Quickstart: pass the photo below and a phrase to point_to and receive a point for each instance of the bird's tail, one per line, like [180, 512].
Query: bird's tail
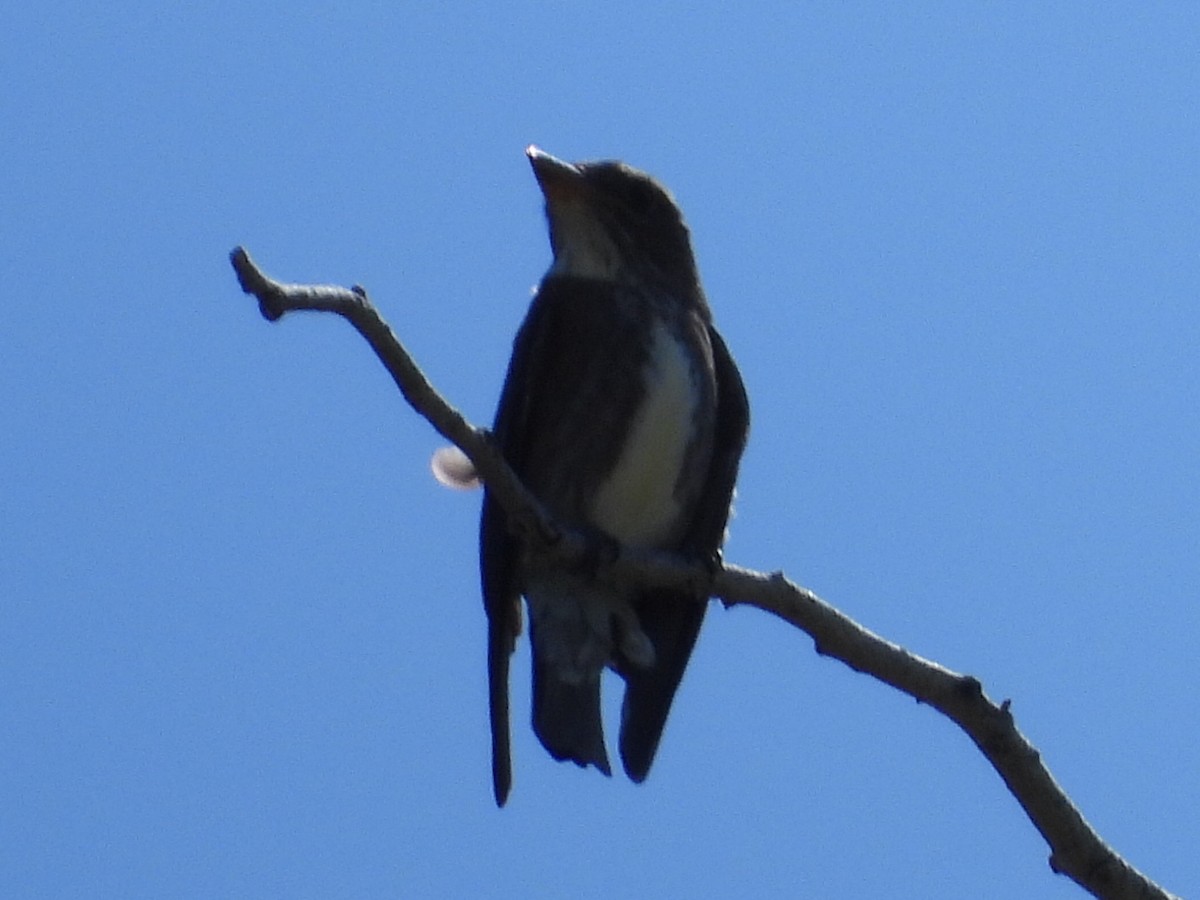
[570, 639]
[566, 717]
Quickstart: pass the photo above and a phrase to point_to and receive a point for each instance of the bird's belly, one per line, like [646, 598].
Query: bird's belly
[637, 503]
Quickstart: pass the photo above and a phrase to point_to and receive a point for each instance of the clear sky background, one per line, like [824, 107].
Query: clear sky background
[956, 251]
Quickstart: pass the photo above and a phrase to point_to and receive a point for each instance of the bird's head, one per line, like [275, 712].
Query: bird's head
[613, 222]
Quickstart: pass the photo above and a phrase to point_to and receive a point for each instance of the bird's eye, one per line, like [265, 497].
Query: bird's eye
[640, 197]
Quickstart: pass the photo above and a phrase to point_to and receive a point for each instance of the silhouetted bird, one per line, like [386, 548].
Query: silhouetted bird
[624, 413]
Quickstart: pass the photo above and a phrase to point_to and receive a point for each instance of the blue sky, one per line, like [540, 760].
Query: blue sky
[954, 249]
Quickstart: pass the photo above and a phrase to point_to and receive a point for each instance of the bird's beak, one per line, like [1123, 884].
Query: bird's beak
[559, 180]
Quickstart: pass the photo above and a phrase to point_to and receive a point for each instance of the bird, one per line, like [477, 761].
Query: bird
[624, 413]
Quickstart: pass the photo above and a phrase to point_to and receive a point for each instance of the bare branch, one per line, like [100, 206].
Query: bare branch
[1077, 851]
[275, 299]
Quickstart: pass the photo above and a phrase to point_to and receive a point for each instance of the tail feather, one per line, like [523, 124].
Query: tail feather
[566, 718]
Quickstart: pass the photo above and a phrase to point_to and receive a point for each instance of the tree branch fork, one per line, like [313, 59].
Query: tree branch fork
[1077, 851]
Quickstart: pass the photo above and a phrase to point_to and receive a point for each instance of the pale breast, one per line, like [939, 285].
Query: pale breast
[637, 502]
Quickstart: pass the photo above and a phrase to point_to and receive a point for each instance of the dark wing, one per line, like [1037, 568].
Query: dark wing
[733, 427]
[498, 550]
[670, 619]
[502, 603]
[570, 358]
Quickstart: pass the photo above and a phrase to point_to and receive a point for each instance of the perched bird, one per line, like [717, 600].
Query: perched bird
[625, 415]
